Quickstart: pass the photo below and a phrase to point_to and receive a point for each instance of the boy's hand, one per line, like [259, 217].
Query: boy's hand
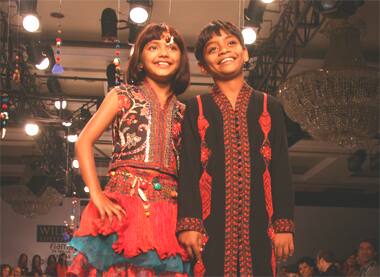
[283, 245]
[192, 242]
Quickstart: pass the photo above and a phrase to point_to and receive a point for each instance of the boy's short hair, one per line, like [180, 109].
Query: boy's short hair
[214, 27]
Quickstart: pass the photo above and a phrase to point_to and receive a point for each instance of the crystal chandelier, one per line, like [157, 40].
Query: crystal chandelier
[26, 203]
[339, 102]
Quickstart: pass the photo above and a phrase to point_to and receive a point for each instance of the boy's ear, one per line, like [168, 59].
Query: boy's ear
[203, 69]
[245, 55]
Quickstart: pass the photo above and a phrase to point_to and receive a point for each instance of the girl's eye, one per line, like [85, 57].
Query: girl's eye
[152, 48]
[173, 48]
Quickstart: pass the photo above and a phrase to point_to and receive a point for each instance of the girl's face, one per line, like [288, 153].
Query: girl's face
[37, 260]
[161, 60]
[23, 259]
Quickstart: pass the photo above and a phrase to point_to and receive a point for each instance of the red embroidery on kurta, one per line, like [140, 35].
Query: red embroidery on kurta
[238, 182]
[206, 179]
[266, 152]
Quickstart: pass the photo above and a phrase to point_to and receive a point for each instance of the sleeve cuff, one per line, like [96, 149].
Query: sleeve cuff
[283, 225]
[190, 224]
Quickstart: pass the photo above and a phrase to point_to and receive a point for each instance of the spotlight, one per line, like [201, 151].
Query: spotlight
[75, 163]
[253, 14]
[31, 129]
[60, 104]
[86, 189]
[337, 8]
[28, 9]
[31, 23]
[41, 56]
[109, 25]
[267, 1]
[139, 10]
[134, 31]
[138, 15]
[249, 35]
[44, 64]
[67, 123]
[72, 138]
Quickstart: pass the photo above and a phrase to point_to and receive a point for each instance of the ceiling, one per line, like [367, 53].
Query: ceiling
[319, 168]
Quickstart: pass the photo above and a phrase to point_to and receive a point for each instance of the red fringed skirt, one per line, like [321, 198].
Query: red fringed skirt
[144, 242]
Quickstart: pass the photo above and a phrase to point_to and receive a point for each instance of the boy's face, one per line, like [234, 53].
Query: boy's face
[224, 56]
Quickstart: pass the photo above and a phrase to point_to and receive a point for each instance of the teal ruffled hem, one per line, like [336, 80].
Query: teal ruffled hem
[99, 253]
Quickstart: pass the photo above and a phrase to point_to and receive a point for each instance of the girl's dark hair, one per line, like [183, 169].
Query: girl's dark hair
[21, 257]
[214, 27]
[61, 260]
[151, 32]
[36, 268]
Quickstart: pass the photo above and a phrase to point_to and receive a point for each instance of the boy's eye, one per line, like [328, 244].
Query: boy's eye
[211, 50]
[232, 42]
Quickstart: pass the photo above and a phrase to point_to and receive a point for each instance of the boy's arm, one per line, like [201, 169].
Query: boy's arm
[190, 224]
[282, 187]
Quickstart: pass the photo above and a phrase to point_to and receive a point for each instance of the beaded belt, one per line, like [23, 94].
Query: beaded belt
[149, 188]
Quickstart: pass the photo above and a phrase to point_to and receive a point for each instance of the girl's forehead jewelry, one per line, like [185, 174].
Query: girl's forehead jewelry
[166, 35]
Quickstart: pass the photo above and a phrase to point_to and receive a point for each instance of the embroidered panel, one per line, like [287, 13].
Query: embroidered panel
[238, 182]
[144, 134]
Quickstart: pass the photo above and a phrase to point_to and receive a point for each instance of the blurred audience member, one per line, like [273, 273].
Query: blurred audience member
[51, 267]
[350, 266]
[5, 270]
[62, 265]
[17, 272]
[292, 270]
[326, 263]
[36, 266]
[367, 258]
[306, 267]
[23, 264]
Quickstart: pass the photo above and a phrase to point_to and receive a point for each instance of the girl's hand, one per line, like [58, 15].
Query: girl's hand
[106, 207]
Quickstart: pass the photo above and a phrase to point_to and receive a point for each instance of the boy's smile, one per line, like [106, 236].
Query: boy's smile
[224, 56]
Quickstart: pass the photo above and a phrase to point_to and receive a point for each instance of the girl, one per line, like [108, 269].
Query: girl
[61, 267]
[51, 266]
[129, 228]
[23, 263]
[36, 266]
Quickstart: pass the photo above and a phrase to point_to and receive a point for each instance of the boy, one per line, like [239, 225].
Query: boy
[235, 187]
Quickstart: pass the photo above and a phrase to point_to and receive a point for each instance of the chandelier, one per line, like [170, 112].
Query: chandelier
[339, 102]
[26, 203]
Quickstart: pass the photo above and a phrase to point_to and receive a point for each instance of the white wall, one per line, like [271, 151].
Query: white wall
[18, 234]
[316, 227]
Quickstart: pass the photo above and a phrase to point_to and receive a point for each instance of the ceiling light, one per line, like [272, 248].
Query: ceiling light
[31, 23]
[75, 163]
[138, 15]
[249, 35]
[72, 138]
[60, 104]
[44, 64]
[31, 129]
